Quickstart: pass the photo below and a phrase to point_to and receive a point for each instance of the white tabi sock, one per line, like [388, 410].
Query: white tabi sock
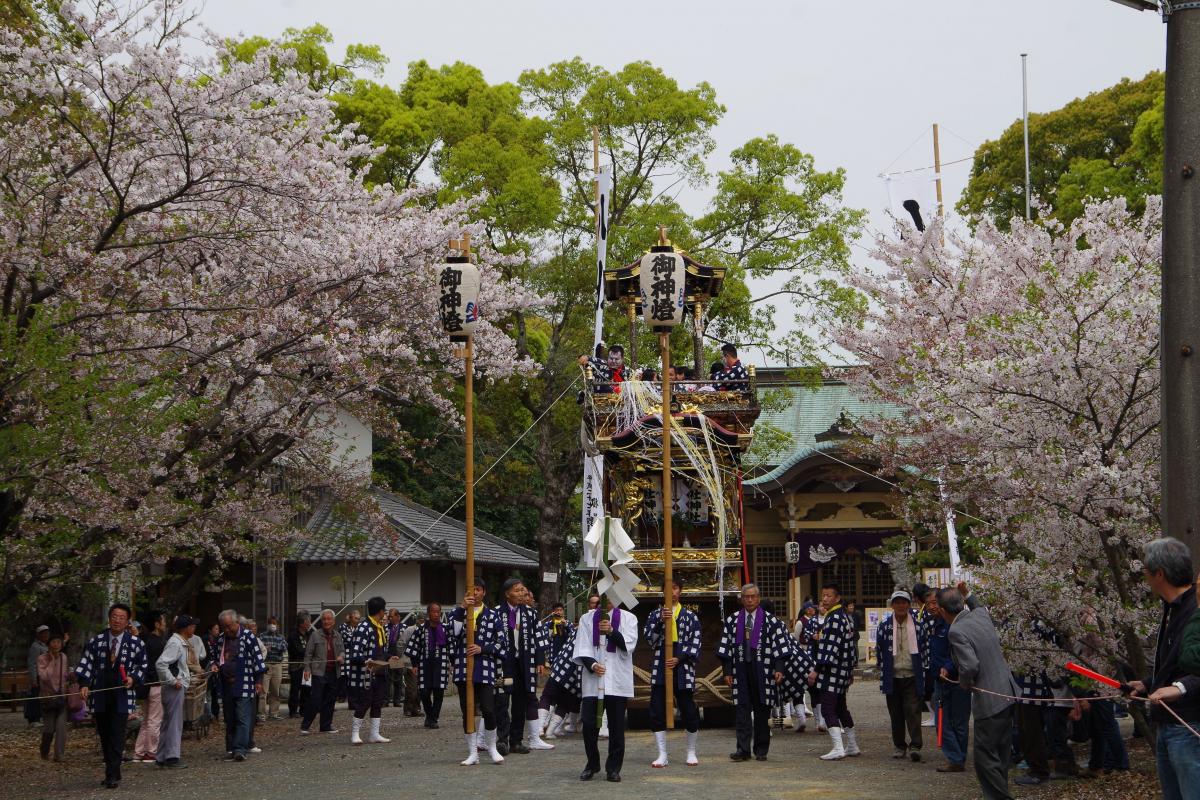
[375, 737]
[472, 751]
[531, 732]
[660, 738]
[693, 738]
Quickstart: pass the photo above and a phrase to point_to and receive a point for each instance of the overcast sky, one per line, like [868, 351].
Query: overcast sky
[854, 82]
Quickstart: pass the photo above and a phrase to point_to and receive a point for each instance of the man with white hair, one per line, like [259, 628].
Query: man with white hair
[1167, 566]
[239, 665]
[754, 650]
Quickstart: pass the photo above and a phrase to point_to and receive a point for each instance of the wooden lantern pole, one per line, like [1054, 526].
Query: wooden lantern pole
[463, 246]
[664, 344]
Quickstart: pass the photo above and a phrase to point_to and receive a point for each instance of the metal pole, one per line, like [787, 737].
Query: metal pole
[1025, 119]
[664, 344]
[1181, 281]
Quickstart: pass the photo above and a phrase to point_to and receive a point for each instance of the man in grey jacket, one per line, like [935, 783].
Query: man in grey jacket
[975, 650]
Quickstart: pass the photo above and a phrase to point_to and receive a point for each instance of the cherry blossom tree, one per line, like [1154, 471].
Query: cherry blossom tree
[195, 280]
[1026, 365]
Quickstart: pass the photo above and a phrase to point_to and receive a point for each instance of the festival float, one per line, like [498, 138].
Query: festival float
[694, 530]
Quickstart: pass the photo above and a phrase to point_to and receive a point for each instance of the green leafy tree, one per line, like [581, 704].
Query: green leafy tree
[1108, 144]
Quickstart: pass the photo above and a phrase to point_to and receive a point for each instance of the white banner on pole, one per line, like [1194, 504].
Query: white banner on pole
[951, 532]
[913, 198]
[593, 491]
[604, 179]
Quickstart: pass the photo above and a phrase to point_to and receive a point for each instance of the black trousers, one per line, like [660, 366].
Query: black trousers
[558, 698]
[904, 707]
[320, 701]
[431, 702]
[993, 746]
[297, 691]
[834, 710]
[396, 680]
[516, 705]
[1031, 725]
[373, 698]
[485, 704]
[614, 707]
[754, 735]
[110, 727]
[685, 700]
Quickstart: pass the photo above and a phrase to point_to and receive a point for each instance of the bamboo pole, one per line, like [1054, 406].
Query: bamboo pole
[664, 343]
[468, 351]
[937, 167]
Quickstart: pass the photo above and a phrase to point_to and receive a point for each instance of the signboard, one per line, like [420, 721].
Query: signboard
[549, 577]
[875, 617]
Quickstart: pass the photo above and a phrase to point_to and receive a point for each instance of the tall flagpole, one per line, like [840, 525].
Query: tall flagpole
[601, 237]
[1025, 122]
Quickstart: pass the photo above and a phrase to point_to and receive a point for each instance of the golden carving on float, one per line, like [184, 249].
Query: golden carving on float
[686, 554]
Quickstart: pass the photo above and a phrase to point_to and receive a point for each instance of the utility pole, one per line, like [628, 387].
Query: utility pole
[1179, 345]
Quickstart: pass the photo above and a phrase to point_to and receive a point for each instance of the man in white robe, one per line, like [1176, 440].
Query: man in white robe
[604, 645]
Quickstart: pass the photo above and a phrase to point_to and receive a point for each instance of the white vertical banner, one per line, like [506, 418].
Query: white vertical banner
[913, 198]
[604, 180]
[951, 533]
[593, 491]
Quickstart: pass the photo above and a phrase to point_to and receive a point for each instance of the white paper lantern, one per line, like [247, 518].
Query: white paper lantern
[662, 280]
[458, 302]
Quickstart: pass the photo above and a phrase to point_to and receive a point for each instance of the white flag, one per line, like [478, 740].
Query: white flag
[593, 490]
[604, 179]
[913, 198]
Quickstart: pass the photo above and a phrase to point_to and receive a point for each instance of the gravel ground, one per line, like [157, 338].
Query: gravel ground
[424, 763]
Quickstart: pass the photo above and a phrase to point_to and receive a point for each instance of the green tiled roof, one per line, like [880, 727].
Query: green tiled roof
[810, 412]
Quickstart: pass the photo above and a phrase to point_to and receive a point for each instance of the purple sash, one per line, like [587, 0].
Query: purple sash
[616, 623]
[437, 638]
[754, 631]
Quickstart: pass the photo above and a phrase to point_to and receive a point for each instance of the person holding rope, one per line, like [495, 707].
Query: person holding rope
[1174, 694]
[52, 684]
[323, 662]
[368, 673]
[174, 676]
[238, 664]
[975, 650]
[113, 664]
[684, 627]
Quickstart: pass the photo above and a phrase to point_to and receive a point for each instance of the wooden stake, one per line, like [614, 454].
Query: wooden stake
[664, 343]
[937, 167]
